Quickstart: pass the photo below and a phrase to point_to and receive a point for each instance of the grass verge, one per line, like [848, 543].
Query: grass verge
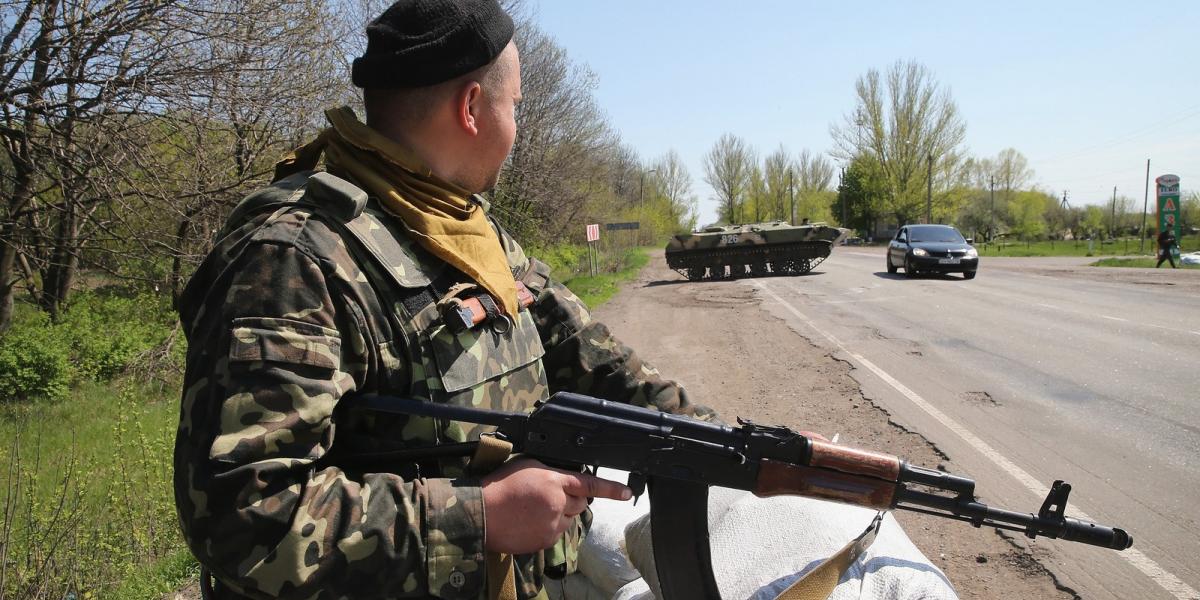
[157, 579]
[1114, 247]
[88, 507]
[594, 291]
[1137, 262]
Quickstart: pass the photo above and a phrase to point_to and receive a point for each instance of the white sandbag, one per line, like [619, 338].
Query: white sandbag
[574, 587]
[1191, 258]
[602, 557]
[761, 545]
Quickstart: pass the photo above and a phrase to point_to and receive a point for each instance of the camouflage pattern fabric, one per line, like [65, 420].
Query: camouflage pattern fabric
[287, 322]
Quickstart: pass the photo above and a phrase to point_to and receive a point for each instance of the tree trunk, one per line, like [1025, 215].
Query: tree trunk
[8, 279]
[181, 236]
[64, 262]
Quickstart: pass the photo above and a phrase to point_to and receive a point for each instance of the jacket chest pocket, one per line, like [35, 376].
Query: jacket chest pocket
[481, 368]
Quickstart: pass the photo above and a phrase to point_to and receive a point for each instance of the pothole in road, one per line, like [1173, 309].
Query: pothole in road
[983, 398]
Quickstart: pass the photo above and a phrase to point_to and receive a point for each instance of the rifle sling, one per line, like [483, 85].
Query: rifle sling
[679, 534]
[819, 583]
[683, 559]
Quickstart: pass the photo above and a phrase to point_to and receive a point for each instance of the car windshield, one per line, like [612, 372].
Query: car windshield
[935, 234]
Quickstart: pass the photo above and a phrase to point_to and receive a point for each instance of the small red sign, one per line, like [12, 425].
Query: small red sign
[593, 233]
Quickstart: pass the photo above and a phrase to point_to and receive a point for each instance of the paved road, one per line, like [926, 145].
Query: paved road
[1036, 370]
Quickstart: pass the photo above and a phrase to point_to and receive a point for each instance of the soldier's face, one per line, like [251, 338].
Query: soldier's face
[500, 129]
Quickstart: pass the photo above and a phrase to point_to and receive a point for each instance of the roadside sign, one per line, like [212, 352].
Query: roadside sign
[619, 226]
[593, 233]
[1167, 196]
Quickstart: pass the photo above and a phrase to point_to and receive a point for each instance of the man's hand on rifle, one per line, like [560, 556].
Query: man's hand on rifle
[528, 505]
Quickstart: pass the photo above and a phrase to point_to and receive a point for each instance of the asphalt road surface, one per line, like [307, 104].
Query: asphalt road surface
[1039, 369]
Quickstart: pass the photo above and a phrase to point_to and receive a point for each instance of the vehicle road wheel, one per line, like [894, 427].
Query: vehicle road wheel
[908, 269]
[891, 268]
[969, 275]
[695, 273]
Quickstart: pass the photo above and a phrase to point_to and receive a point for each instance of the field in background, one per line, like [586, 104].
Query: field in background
[1114, 247]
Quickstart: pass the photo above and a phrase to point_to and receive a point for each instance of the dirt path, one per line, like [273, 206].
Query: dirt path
[743, 362]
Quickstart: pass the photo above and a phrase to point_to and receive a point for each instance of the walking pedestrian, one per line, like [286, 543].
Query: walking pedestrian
[1166, 240]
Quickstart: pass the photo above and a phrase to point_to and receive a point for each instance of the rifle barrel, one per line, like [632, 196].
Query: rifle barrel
[1032, 525]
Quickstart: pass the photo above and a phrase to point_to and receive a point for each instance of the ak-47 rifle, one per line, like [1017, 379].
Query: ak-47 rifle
[680, 457]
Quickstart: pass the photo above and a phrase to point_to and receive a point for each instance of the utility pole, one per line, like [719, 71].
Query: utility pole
[641, 188]
[792, 193]
[992, 212]
[843, 194]
[929, 195]
[1112, 219]
[1145, 202]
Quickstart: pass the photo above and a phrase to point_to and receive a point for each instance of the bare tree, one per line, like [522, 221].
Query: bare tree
[119, 115]
[779, 176]
[904, 123]
[1011, 171]
[727, 168]
[674, 184]
[229, 129]
[814, 172]
[558, 161]
[71, 73]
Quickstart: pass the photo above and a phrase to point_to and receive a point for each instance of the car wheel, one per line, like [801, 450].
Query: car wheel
[908, 268]
[890, 267]
[969, 275]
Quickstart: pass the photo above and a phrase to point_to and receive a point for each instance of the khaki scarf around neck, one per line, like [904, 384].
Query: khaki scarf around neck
[440, 214]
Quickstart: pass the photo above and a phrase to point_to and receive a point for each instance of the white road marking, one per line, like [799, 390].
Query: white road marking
[1052, 307]
[1169, 582]
[883, 299]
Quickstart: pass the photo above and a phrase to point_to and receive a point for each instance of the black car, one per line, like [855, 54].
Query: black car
[931, 249]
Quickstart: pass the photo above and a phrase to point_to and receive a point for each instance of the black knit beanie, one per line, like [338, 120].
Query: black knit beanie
[416, 43]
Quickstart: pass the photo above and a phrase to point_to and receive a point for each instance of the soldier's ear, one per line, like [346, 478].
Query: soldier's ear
[468, 106]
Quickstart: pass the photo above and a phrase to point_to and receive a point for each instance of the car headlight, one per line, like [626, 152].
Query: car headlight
[920, 252]
[972, 253]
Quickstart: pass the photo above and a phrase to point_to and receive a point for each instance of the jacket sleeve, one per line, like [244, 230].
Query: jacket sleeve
[274, 351]
[583, 356]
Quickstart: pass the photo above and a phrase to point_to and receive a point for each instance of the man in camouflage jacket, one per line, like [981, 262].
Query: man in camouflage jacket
[314, 296]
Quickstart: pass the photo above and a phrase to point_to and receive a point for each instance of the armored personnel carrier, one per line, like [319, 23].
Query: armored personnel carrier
[752, 250]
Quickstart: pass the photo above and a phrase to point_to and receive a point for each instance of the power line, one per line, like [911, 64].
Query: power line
[1178, 118]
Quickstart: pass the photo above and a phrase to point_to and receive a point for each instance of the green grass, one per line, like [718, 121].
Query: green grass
[157, 579]
[88, 495]
[597, 290]
[1138, 262]
[1117, 247]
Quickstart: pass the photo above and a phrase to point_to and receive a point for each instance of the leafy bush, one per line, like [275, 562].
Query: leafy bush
[108, 331]
[34, 361]
[565, 260]
[99, 335]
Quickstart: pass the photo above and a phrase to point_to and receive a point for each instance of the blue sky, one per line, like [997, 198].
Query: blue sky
[1087, 91]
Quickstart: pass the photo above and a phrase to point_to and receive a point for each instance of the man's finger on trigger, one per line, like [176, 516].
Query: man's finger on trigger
[590, 486]
[575, 505]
